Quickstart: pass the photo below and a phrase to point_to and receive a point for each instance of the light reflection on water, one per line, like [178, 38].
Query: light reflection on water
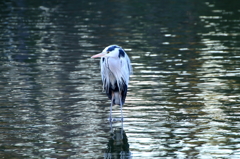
[183, 96]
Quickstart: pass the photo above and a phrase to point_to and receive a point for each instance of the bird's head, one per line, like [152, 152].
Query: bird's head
[111, 51]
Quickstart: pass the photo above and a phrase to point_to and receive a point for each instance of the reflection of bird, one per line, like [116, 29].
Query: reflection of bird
[115, 69]
[118, 146]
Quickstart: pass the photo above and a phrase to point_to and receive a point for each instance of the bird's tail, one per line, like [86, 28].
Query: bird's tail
[117, 98]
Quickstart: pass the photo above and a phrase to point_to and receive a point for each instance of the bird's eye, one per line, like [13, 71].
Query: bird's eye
[108, 51]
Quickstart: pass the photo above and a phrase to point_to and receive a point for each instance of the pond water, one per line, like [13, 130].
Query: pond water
[183, 97]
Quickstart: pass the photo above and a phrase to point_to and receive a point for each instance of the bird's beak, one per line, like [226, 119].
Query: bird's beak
[98, 55]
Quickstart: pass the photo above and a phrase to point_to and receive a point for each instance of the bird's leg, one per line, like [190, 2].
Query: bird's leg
[120, 99]
[121, 110]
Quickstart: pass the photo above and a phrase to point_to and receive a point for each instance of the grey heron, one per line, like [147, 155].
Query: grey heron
[115, 70]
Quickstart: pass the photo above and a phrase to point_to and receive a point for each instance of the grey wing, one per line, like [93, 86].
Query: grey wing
[126, 68]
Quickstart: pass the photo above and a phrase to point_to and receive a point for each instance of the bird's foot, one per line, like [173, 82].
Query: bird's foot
[115, 119]
[110, 119]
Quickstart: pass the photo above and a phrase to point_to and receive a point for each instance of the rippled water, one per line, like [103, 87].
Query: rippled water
[183, 99]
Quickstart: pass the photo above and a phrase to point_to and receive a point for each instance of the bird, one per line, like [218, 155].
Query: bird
[115, 71]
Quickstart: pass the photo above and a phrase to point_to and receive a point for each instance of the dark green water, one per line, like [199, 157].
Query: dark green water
[184, 95]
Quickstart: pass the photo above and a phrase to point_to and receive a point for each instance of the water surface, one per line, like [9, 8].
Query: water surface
[183, 99]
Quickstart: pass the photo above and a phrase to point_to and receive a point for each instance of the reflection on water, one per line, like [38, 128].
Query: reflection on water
[183, 98]
[118, 146]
